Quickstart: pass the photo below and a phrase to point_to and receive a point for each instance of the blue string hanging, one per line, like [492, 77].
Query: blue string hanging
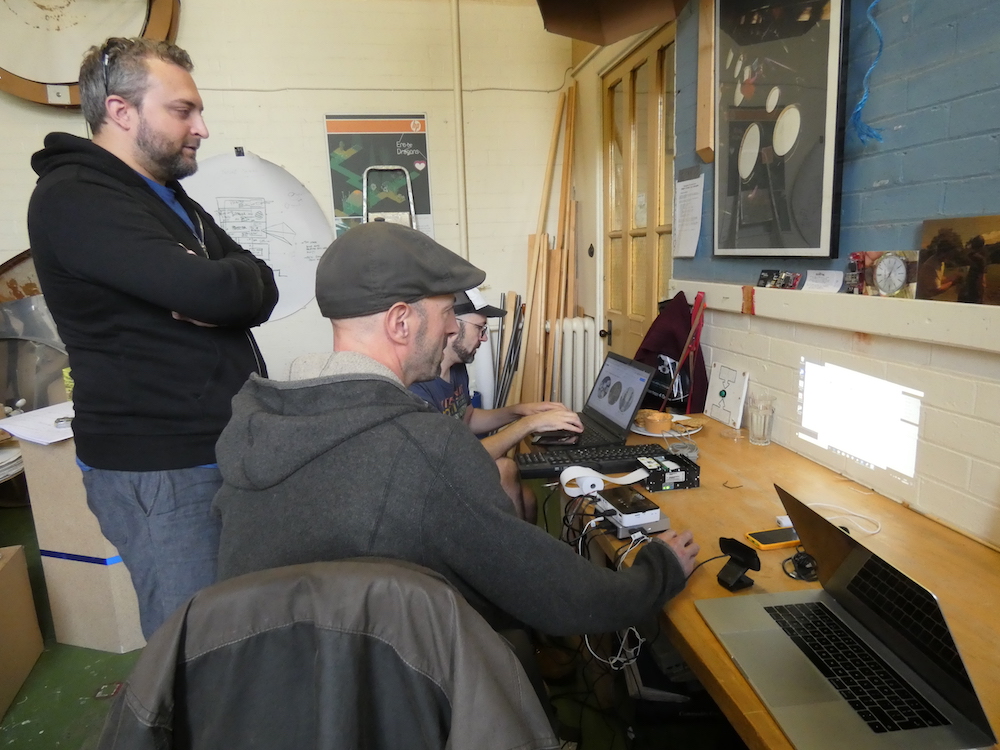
[864, 130]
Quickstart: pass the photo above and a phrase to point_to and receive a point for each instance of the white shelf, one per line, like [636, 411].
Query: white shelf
[948, 323]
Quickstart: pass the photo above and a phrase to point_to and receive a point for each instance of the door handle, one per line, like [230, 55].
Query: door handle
[607, 333]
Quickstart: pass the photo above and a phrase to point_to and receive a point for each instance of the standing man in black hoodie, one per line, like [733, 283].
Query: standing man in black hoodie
[154, 303]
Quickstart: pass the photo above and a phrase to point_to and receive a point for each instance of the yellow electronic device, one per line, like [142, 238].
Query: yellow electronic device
[774, 538]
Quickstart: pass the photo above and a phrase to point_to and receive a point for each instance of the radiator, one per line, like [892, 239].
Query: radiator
[577, 362]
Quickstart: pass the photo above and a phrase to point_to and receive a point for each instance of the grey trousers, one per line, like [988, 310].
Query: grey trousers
[162, 524]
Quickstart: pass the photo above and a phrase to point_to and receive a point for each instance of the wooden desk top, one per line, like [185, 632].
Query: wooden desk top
[736, 496]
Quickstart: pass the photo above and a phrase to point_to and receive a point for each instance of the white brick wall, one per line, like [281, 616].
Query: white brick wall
[958, 455]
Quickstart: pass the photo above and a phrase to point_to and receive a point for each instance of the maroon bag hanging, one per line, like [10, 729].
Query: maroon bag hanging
[669, 336]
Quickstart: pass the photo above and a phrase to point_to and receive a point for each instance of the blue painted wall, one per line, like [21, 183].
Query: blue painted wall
[935, 95]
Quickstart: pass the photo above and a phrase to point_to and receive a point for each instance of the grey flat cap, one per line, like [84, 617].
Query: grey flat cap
[373, 266]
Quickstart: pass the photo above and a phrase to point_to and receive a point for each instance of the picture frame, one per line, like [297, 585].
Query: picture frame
[959, 260]
[779, 124]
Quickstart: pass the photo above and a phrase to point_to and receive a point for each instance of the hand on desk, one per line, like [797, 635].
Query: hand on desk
[684, 546]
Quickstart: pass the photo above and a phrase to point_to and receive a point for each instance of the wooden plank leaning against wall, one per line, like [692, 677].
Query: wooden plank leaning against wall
[551, 267]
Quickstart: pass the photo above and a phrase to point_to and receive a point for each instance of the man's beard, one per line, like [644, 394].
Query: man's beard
[163, 160]
[465, 355]
[428, 364]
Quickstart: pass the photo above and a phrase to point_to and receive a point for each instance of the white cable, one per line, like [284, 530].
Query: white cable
[626, 654]
[637, 539]
[849, 517]
[686, 447]
[591, 524]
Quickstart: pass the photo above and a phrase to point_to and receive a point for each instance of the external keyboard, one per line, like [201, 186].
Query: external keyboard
[605, 459]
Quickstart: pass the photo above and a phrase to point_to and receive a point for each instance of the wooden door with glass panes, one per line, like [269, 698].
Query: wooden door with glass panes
[638, 189]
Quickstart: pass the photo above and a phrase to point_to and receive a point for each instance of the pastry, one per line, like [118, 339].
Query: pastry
[640, 417]
[689, 425]
[659, 422]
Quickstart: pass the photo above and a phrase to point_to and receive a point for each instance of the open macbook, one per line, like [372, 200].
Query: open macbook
[866, 662]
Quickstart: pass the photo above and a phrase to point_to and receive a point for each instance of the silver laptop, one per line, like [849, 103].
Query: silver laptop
[868, 662]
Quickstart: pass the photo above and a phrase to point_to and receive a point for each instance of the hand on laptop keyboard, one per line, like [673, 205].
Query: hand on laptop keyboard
[554, 417]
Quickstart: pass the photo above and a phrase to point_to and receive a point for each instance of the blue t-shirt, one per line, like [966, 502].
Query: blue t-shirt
[170, 198]
[450, 397]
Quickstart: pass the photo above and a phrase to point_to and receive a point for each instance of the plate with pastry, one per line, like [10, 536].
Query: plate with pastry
[653, 423]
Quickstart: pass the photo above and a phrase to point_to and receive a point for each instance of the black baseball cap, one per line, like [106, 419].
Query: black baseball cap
[472, 301]
[372, 266]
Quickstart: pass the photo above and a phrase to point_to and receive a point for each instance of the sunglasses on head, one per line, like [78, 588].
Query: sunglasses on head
[109, 53]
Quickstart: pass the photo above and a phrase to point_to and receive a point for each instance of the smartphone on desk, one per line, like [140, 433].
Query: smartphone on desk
[556, 437]
[774, 538]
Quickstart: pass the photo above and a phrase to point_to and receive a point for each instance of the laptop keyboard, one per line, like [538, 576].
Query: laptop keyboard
[594, 434]
[873, 689]
[604, 459]
[590, 439]
[913, 612]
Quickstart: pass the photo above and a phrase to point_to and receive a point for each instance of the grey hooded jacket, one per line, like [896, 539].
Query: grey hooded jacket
[350, 464]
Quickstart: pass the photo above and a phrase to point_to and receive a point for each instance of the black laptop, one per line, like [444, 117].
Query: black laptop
[866, 663]
[614, 400]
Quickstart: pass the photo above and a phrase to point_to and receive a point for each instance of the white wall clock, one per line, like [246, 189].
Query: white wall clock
[892, 274]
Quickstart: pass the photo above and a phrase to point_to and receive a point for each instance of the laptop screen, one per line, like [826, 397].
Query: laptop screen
[619, 390]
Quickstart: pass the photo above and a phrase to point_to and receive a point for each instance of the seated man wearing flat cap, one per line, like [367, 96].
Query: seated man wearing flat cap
[349, 463]
[449, 394]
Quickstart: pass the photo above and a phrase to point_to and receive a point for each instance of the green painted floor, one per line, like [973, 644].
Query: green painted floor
[63, 702]
[65, 699]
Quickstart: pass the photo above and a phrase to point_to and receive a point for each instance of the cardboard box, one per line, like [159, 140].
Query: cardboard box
[90, 591]
[20, 638]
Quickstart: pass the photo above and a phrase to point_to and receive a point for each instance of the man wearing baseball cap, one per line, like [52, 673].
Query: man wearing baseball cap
[349, 463]
[449, 394]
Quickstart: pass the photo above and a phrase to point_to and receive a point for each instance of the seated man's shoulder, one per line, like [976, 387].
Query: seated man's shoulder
[428, 420]
[432, 428]
[350, 365]
[308, 366]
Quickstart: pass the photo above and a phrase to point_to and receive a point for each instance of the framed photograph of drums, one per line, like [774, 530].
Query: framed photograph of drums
[779, 125]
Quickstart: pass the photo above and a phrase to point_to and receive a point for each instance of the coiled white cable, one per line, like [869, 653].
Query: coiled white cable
[850, 516]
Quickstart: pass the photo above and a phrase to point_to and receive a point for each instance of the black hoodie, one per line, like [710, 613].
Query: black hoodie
[114, 262]
[354, 465]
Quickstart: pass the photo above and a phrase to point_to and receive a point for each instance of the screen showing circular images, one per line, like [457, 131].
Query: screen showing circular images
[603, 386]
[626, 400]
[615, 392]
